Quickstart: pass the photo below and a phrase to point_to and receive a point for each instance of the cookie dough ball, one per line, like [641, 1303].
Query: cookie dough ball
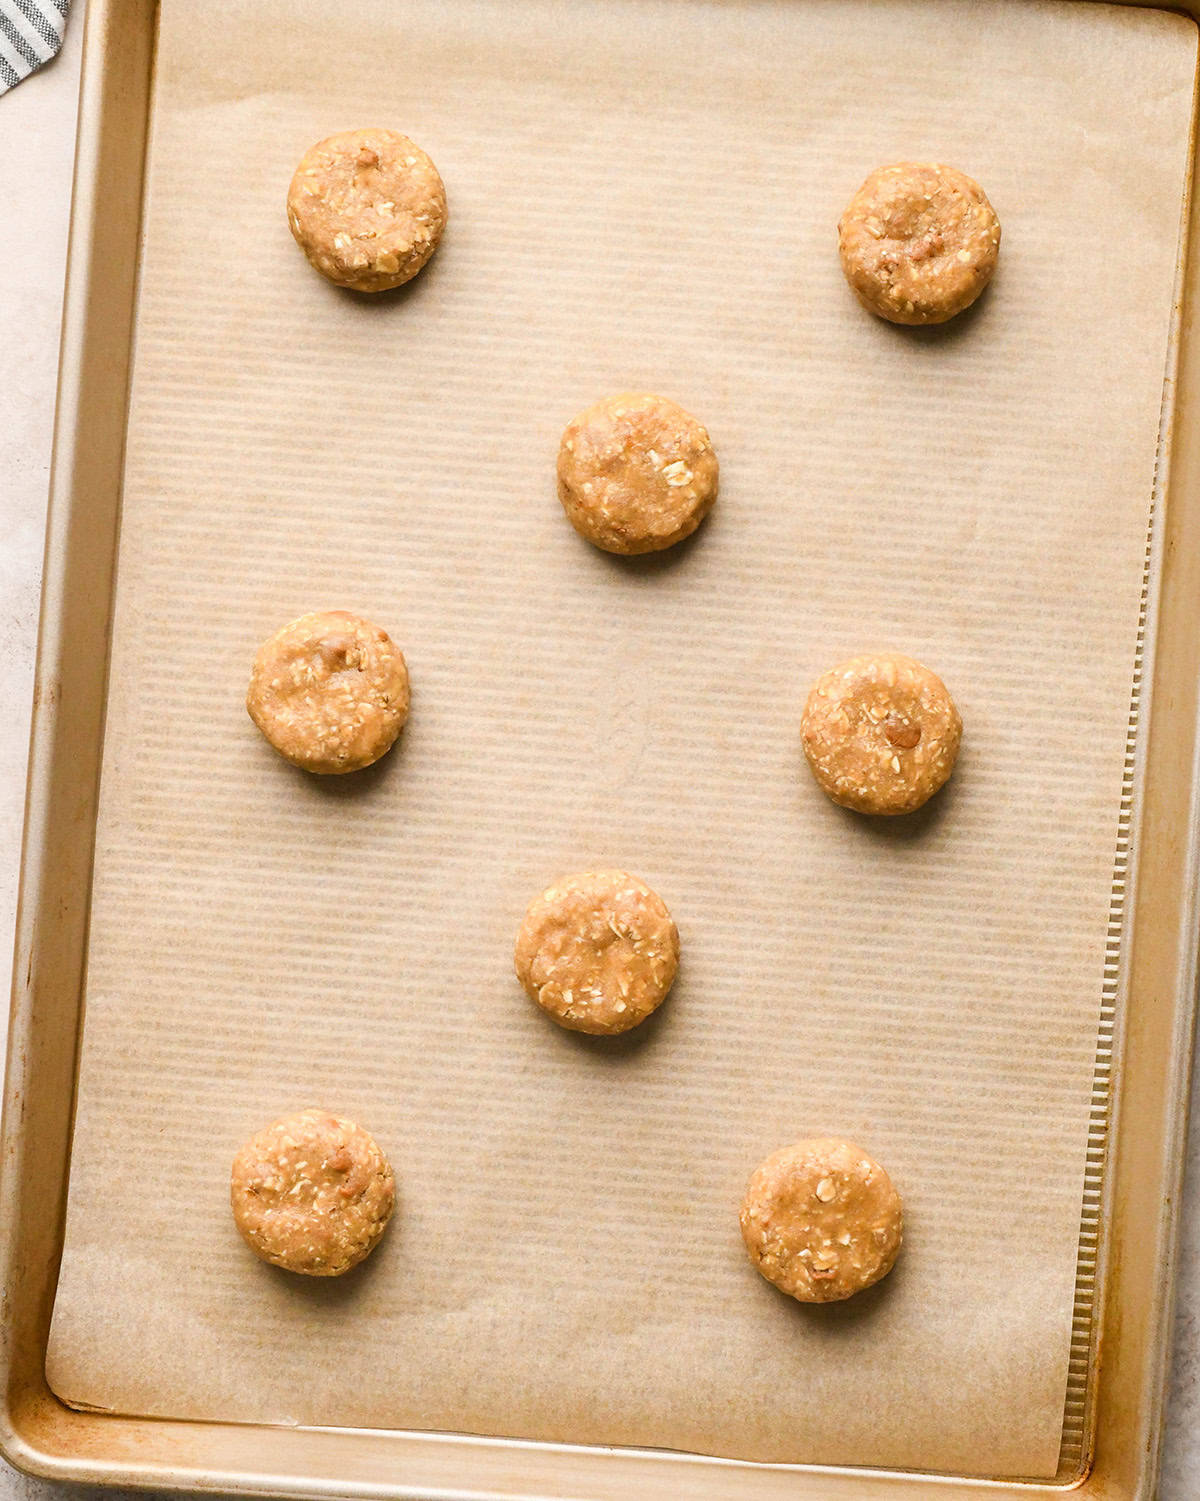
[881, 733]
[312, 1193]
[598, 951]
[636, 474]
[919, 242]
[821, 1220]
[367, 208]
[329, 691]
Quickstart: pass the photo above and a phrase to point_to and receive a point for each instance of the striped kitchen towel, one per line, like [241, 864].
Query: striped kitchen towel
[31, 32]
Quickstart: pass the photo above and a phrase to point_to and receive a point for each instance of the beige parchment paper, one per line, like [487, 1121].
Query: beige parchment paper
[643, 195]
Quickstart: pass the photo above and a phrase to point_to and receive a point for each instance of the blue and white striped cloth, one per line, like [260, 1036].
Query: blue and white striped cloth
[31, 32]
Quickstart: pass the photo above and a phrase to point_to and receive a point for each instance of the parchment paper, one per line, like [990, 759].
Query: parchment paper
[643, 195]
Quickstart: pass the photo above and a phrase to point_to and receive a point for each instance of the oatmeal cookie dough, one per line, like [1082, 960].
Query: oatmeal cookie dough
[312, 1193]
[329, 691]
[881, 733]
[636, 473]
[821, 1220]
[598, 951]
[368, 208]
[919, 242]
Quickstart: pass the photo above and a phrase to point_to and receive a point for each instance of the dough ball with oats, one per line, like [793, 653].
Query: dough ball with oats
[329, 691]
[368, 208]
[598, 951]
[881, 733]
[636, 474]
[919, 242]
[312, 1193]
[821, 1220]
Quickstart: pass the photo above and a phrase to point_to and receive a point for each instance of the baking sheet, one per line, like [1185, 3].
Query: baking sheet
[642, 195]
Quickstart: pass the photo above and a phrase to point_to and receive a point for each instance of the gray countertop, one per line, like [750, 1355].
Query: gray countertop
[37, 130]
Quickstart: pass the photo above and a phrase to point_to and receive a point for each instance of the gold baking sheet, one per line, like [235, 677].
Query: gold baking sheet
[642, 195]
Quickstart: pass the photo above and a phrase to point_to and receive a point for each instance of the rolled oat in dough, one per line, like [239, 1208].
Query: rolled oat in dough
[881, 733]
[312, 1193]
[636, 473]
[919, 242]
[821, 1220]
[368, 208]
[329, 691]
[598, 951]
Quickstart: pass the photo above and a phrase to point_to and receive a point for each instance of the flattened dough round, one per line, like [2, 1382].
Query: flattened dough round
[636, 473]
[367, 207]
[312, 1193]
[598, 951]
[881, 733]
[821, 1220]
[919, 242]
[329, 691]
